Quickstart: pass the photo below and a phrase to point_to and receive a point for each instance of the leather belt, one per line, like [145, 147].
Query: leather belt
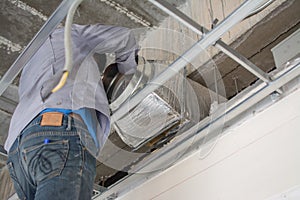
[76, 116]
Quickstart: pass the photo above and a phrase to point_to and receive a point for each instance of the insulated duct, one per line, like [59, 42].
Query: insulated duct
[163, 112]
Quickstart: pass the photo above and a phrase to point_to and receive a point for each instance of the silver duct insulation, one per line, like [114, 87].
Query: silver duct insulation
[150, 118]
[162, 111]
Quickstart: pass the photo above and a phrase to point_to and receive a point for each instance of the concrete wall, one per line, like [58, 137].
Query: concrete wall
[256, 159]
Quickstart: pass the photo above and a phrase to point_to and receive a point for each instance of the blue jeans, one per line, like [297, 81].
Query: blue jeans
[47, 162]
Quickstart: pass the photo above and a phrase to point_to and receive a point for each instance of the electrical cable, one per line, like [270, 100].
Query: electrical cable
[68, 46]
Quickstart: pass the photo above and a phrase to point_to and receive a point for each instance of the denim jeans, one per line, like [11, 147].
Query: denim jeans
[47, 162]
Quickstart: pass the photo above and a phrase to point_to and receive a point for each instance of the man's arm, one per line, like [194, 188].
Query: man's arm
[112, 39]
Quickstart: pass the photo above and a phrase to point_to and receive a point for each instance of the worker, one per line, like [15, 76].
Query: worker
[54, 138]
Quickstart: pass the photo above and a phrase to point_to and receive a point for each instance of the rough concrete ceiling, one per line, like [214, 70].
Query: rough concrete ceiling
[21, 20]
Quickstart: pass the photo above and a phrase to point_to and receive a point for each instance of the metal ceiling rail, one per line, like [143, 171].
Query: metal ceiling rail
[50, 25]
[191, 24]
[208, 39]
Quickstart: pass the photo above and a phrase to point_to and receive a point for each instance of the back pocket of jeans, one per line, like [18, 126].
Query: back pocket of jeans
[46, 161]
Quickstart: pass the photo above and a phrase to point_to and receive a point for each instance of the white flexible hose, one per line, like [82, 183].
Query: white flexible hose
[68, 46]
[67, 36]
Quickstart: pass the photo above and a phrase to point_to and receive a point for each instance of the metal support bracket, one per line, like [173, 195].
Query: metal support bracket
[191, 24]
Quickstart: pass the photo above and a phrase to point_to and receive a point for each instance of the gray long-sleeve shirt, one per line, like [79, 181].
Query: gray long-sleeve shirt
[83, 88]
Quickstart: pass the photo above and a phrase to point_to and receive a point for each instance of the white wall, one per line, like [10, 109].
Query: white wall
[258, 159]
